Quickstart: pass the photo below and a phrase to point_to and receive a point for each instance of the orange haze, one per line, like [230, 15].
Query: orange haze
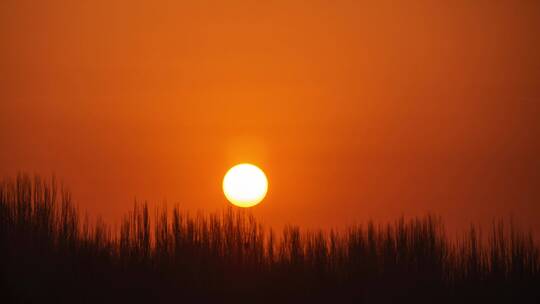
[355, 110]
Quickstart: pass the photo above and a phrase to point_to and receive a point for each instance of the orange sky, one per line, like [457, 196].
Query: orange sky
[354, 110]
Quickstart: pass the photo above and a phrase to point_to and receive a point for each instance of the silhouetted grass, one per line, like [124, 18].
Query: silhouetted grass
[48, 253]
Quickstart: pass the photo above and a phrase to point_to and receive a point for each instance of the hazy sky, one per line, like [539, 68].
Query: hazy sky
[354, 109]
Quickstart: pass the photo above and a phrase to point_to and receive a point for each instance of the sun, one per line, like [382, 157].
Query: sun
[245, 185]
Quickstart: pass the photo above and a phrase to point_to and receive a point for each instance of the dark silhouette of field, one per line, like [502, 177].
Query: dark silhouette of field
[50, 254]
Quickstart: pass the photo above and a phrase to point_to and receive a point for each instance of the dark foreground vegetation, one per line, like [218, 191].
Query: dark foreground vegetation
[48, 253]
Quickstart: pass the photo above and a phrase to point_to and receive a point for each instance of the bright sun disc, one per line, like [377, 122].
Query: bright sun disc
[245, 185]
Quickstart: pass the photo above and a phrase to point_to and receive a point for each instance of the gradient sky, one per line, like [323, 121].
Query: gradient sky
[355, 110]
